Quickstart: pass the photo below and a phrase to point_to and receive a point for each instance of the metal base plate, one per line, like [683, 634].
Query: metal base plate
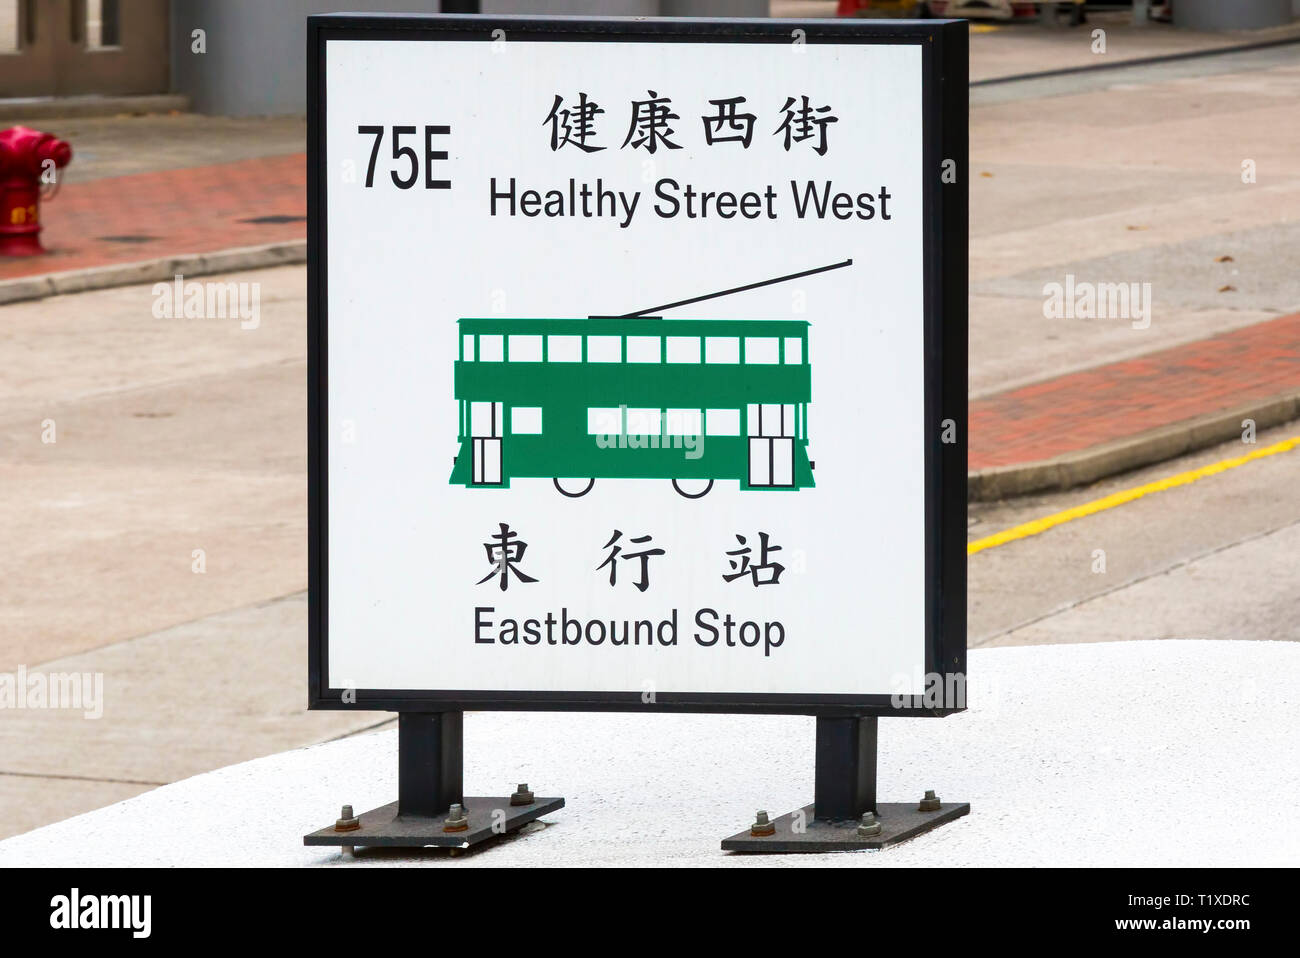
[899, 821]
[383, 827]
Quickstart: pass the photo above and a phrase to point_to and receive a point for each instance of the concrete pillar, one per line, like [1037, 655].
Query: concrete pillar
[252, 60]
[254, 52]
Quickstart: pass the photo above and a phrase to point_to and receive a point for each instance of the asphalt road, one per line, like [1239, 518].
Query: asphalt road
[1216, 559]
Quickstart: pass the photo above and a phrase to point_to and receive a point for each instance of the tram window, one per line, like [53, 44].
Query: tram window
[525, 349]
[485, 420]
[722, 349]
[604, 421]
[683, 349]
[491, 349]
[564, 349]
[643, 422]
[467, 347]
[794, 351]
[770, 419]
[762, 349]
[684, 422]
[643, 349]
[604, 349]
[526, 420]
[722, 422]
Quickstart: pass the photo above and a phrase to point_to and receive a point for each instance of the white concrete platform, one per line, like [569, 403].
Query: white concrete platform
[1174, 753]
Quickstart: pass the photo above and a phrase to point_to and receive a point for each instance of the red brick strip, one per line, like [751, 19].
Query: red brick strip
[202, 209]
[1121, 400]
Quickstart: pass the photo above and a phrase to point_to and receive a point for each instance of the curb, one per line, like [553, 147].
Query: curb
[1138, 61]
[1156, 445]
[40, 286]
[79, 107]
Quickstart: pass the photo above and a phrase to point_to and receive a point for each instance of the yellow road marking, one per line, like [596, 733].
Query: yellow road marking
[1033, 528]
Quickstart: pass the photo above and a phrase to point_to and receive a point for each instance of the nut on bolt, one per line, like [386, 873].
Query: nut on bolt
[457, 819]
[762, 826]
[931, 801]
[522, 795]
[870, 826]
[347, 821]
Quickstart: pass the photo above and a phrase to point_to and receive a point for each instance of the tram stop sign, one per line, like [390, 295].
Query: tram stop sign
[637, 365]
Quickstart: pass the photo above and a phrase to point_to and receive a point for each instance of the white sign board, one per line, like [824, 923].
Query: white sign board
[558, 465]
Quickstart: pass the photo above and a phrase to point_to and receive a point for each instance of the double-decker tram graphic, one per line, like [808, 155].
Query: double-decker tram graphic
[692, 401]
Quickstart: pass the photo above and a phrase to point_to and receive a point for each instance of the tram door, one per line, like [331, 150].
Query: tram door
[771, 445]
[485, 436]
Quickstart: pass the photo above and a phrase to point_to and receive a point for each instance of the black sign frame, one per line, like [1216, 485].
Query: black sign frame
[944, 45]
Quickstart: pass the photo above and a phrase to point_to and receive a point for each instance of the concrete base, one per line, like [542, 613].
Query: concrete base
[1082, 755]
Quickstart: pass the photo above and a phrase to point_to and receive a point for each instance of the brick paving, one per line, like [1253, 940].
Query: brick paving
[1120, 400]
[142, 216]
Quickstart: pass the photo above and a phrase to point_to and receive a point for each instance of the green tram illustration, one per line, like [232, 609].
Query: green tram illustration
[635, 397]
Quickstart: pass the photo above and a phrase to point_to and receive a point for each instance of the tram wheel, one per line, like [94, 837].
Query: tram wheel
[574, 495]
[693, 495]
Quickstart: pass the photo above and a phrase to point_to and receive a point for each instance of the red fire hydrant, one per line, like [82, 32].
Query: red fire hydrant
[25, 158]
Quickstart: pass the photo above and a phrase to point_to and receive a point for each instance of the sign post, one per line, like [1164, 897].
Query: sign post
[637, 382]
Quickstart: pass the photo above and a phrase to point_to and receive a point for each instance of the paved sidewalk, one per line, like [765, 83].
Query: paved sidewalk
[201, 209]
[1121, 400]
[1000, 49]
